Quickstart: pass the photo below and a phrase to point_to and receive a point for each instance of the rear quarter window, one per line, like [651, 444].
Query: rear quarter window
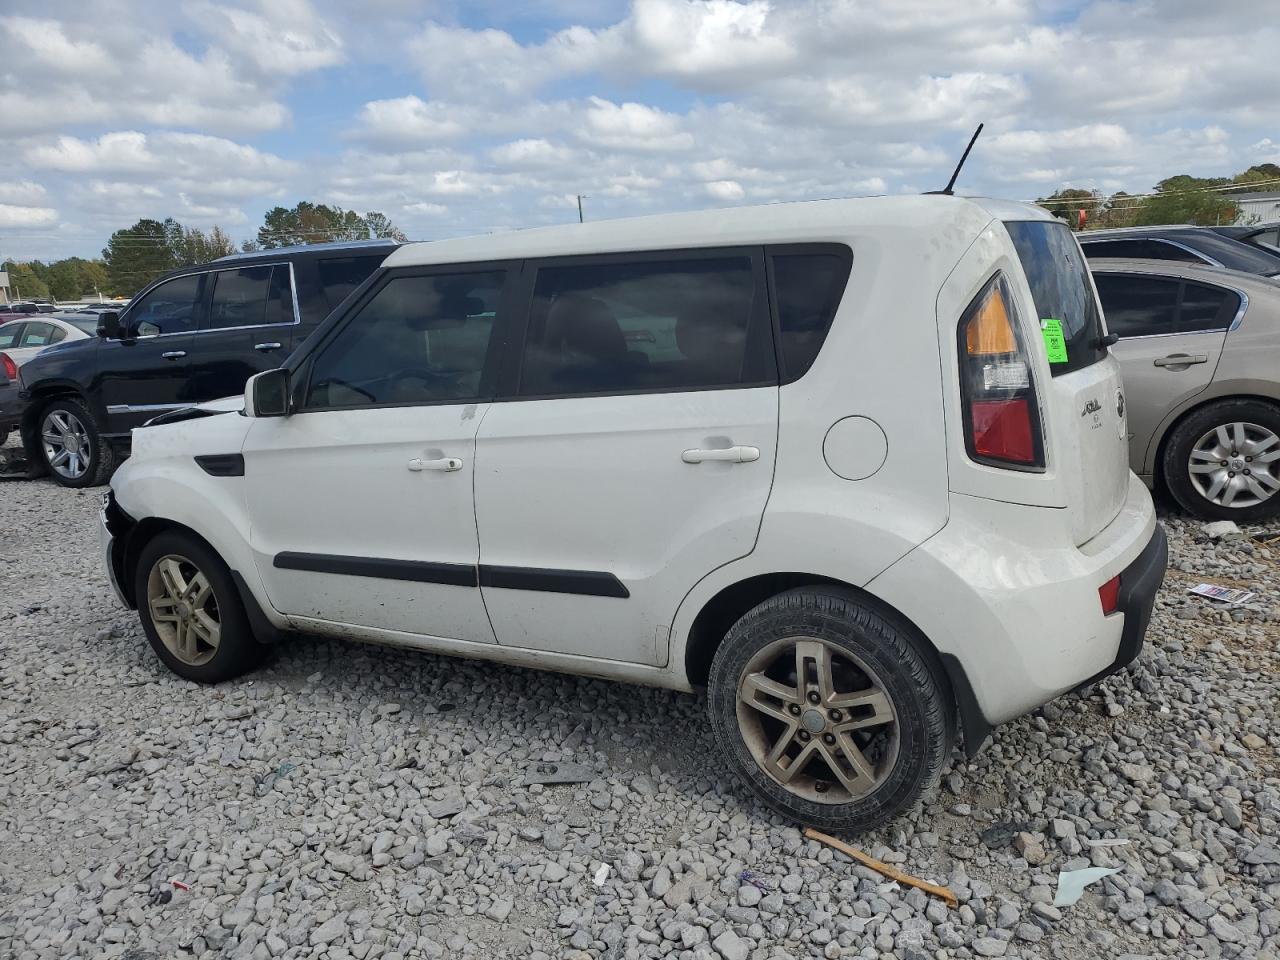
[1060, 287]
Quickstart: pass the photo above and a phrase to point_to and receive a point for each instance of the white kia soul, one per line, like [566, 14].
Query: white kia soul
[857, 466]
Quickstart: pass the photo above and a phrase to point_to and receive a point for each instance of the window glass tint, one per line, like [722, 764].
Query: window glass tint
[1059, 282]
[807, 289]
[37, 335]
[1206, 308]
[650, 325]
[9, 334]
[250, 297]
[419, 340]
[338, 277]
[58, 335]
[1139, 249]
[169, 308]
[1137, 306]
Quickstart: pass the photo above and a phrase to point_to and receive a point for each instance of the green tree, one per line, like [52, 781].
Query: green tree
[319, 223]
[137, 255]
[93, 277]
[1067, 203]
[1187, 199]
[25, 283]
[191, 245]
[64, 280]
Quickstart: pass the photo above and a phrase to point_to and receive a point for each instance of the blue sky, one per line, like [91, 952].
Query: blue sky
[456, 118]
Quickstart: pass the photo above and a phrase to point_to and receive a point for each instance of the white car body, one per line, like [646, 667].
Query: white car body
[858, 475]
[39, 332]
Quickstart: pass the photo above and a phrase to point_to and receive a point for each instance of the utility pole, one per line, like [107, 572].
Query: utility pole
[580, 198]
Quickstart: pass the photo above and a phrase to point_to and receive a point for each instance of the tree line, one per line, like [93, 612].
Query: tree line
[136, 255]
[1180, 199]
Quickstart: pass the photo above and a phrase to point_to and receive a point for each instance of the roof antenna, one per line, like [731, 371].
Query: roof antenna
[947, 190]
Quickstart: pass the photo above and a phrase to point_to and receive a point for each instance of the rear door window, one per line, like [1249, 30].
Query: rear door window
[641, 326]
[1139, 249]
[1138, 306]
[341, 275]
[1060, 287]
[806, 289]
[1206, 308]
[250, 297]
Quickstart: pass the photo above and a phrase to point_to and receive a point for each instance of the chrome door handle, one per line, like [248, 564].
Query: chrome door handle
[1181, 360]
[174, 354]
[445, 464]
[264, 347]
[728, 454]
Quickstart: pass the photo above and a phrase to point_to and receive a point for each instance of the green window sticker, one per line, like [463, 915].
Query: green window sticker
[1055, 344]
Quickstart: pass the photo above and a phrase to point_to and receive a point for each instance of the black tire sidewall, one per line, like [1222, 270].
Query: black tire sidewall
[100, 455]
[919, 697]
[1178, 451]
[238, 651]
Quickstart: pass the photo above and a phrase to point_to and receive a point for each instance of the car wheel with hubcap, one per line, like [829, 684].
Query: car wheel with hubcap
[72, 446]
[832, 708]
[190, 610]
[1223, 462]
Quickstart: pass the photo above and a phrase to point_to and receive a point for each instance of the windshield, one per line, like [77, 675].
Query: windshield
[87, 324]
[1060, 286]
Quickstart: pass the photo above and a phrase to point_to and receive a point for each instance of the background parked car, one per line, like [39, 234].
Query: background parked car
[1265, 236]
[1183, 244]
[193, 335]
[1200, 351]
[21, 339]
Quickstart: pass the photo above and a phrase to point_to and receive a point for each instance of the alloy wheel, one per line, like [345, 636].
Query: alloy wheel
[1236, 465]
[184, 609]
[66, 444]
[817, 720]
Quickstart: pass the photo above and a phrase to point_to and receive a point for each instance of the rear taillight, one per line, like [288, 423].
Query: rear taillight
[10, 368]
[1001, 414]
[1109, 594]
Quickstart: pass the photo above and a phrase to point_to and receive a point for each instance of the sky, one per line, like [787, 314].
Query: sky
[457, 118]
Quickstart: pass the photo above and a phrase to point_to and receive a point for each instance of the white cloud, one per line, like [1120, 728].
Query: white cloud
[15, 216]
[632, 126]
[285, 36]
[727, 190]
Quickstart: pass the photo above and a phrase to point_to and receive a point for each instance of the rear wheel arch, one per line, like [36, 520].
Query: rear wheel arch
[732, 602]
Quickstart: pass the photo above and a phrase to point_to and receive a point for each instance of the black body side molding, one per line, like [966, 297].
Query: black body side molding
[222, 464]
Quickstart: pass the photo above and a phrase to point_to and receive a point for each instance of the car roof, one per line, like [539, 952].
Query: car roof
[311, 249]
[800, 221]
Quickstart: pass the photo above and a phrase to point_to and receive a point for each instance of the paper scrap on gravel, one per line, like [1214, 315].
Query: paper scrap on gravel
[1226, 596]
[1071, 884]
[893, 873]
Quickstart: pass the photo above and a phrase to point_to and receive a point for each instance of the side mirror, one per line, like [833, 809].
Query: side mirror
[109, 325]
[267, 394]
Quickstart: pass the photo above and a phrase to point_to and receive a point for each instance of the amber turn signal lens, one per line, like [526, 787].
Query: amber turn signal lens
[991, 331]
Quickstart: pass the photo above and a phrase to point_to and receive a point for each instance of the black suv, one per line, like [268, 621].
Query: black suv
[194, 335]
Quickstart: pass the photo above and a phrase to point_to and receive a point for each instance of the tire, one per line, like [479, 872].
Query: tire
[863, 642]
[1252, 428]
[235, 652]
[66, 426]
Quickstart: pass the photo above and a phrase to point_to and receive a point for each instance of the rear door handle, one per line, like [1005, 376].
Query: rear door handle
[264, 347]
[729, 454]
[1181, 360]
[445, 464]
[174, 354]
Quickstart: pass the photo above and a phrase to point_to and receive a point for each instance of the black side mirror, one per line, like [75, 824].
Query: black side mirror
[267, 394]
[109, 325]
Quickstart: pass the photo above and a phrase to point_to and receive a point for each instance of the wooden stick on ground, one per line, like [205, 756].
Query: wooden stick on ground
[893, 873]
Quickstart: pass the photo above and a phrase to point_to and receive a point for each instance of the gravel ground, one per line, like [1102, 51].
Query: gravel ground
[355, 801]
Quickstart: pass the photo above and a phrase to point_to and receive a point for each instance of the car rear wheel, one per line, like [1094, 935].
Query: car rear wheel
[1223, 461]
[832, 711]
[191, 612]
[73, 449]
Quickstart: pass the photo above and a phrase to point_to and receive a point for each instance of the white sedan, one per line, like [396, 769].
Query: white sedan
[24, 337]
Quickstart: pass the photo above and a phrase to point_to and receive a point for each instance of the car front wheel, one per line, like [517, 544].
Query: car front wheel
[190, 610]
[830, 709]
[1223, 461]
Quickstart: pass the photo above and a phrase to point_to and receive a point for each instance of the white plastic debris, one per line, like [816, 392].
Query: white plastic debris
[1222, 530]
[1108, 842]
[1071, 884]
[601, 875]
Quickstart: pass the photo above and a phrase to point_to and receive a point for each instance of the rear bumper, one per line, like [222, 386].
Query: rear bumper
[1012, 605]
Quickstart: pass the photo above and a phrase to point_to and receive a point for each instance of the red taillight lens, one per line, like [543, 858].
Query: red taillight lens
[1109, 594]
[1001, 415]
[10, 368]
[1002, 430]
